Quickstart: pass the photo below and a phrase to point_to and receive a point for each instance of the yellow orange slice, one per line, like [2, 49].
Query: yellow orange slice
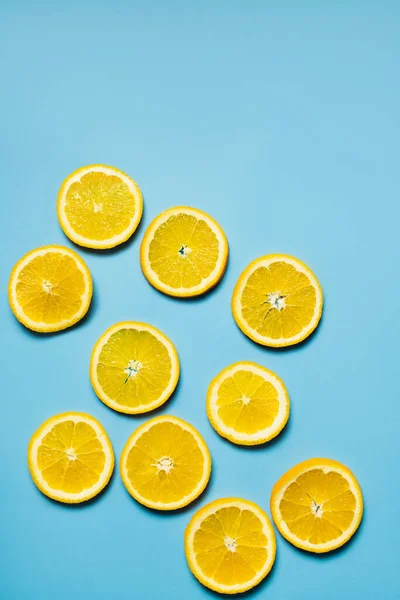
[165, 463]
[184, 252]
[317, 505]
[50, 289]
[230, 545]
[70, 457]
[247, 404]
[134, 367]
[99, 206]
[277, 301]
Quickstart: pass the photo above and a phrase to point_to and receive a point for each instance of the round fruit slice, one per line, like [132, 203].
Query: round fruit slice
[230, 545]
[70, 457]
[99, 206]
[317, 505]
[247, 404]
[50, 288]
[165, 463]
[134, 367]
[277, 301]
[184, 252]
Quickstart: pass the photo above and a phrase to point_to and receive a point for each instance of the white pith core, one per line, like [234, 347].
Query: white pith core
[276, 300]
[245, 400]
[230, 543]
[132, 369]
[316, 509]
[47, 286]
[184, 250]
[97, 207]
[71, 454]
[165, 464]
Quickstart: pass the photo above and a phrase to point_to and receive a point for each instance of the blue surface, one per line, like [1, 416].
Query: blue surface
[279, 119]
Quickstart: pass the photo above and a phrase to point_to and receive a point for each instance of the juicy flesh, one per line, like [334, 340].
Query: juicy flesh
[50, 288]
[278, 301]
[166, 463]
[99, 206]
[318, 507]
[134, 367]
[183, 251]
[230, 546]
[71, 457]
[247, 402]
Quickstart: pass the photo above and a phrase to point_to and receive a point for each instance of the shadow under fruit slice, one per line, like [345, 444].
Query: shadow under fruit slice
[317, 505]
[70, 457]
[277, 301]
[247, 404]
[134, 368]
[165, 464]
[50, 289]
[230, 545]
[184, 252]
[99, 206]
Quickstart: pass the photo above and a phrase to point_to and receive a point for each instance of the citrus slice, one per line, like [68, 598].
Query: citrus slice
[317, 505]
[134, 367]
[165, 463]
[247, 404]
[184, 252]
[230, 545]
[50, 288]
[277, 301]
[99, 206]
[70, 457]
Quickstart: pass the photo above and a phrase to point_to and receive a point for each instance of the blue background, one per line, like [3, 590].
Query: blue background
[280, 119]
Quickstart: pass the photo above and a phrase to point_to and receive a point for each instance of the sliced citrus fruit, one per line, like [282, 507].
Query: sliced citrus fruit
[230, 545]
[247, 404]
[277, 301]
[184, 252]
[50, 288]
[165, 463]
[70, 457]
[134, 367]
[317, 505]
[99, 206]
